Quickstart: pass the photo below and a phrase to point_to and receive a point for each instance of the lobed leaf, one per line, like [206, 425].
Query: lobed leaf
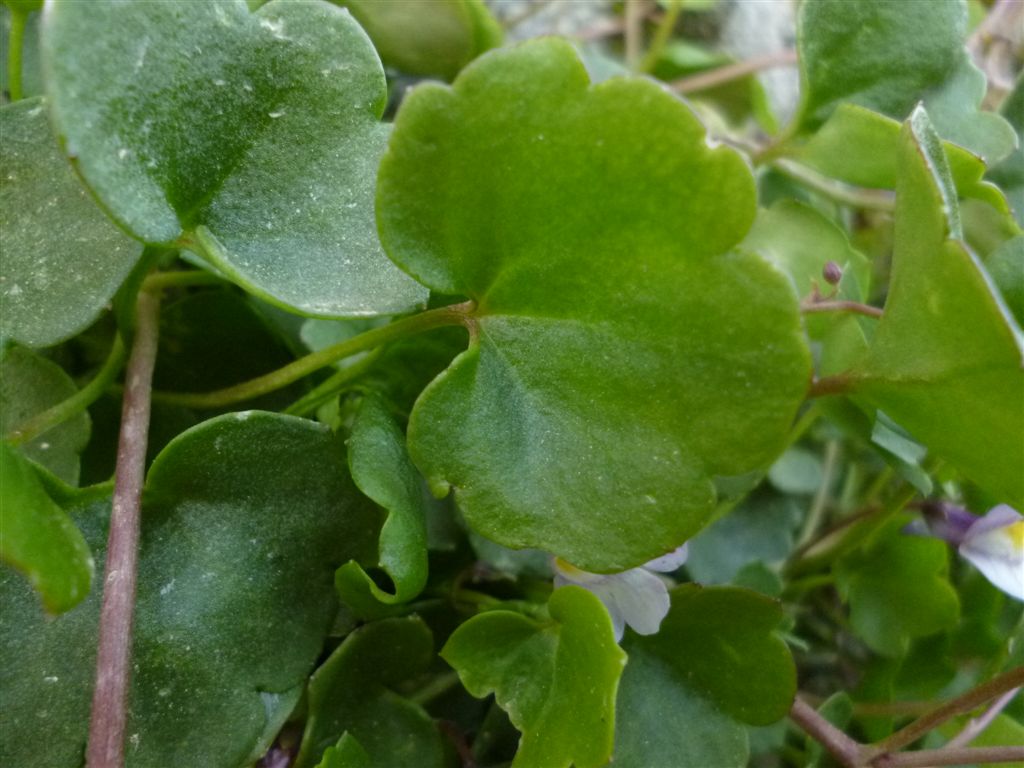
[273, 178]
[623, 352]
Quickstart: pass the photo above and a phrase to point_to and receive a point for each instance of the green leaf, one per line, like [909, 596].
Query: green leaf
[427, 37]
[945, 360]
[352, 693]
[796, 471]
[348, 753]
[38, 537]
[875, 53]
[1003, 731]
[63, 258]
[1006, 267]
[274, 177]
[382, 470]
[1009, 174]
[30, 384]
[897, 589]
[245, 519]
[862, 147]
[714, 664]
[556, 680]
[600, 384]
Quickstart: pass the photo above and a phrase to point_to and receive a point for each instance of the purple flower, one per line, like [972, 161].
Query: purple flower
[637, 597]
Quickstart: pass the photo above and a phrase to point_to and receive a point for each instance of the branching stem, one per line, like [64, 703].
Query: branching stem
[113, 662]
[458, 314]
[847, 751]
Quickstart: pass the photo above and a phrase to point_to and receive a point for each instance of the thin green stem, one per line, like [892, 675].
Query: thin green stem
[15, 45]
[804, 423]
[926, 758]
[634, 31]
[661, 36]
[330, 387]
[158, 281]
[458, 314]
[439, 686]
[854, 307]
[78, 402]
[857, 197]
[735, 71]
[820, 502]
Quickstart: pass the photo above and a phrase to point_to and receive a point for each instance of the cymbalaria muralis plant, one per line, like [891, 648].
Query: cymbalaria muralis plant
[395, 384]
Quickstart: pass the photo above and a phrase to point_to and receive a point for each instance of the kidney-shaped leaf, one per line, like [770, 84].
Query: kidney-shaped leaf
[63, 259]
[245, 518]
[255, 136]
[622, 355]
[947, 360]
[556, 680]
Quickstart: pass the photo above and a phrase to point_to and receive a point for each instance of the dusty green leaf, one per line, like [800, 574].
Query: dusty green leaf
[39, 539]
[352, 693]
[623, 352]
[245, 519]
[557, 680]
[63, 259]
[29, 384]
[1006, 266]
[273, 179]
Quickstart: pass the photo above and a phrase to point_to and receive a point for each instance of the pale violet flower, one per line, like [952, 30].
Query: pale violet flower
[993, 543]
[637, 597]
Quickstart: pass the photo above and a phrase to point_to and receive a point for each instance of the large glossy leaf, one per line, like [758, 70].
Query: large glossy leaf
[557, 680]
[622, 355]
[273, 177]
[876, 53]
[29, 384]
[946, 359]
[38, 537]
[382, 470]
[351, 693]
[714, 665]
[427, 37]
[63, 259]
[245, 519]
[897, 589]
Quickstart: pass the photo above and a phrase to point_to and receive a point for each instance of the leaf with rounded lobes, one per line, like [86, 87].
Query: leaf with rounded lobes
[623, 354]
[382, 470]
[1009, 174]
[946, 359]
[862, 147]
[897, 589]
[245, 518]
[715, 664]
[427, 37]
[29, 384]
[875, 53]
[351, 694]
[348, 753]
[556, 680]
[63, 259]
[38, 537]
[273, 178]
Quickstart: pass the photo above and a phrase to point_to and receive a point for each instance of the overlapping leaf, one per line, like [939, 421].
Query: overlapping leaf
[350, 693]
[245, 519]
[622, 354]
[63, 259]
[946, 359]
[557, 681]
[714, 665]
[271, 175]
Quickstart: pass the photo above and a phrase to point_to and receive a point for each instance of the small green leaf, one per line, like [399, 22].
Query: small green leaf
[38, 537]
[1009, 174]
[245, 519]
[714, 664]
[274, 177]
[348, 753]
[29, 384]
[875, 53]
[623, 355]
[897, 589]
[796, 471]
[427, 37]
[557, 681]
[63, 258]
[382, 470]
[945, 360]
[1006, 266]
[351, 694]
